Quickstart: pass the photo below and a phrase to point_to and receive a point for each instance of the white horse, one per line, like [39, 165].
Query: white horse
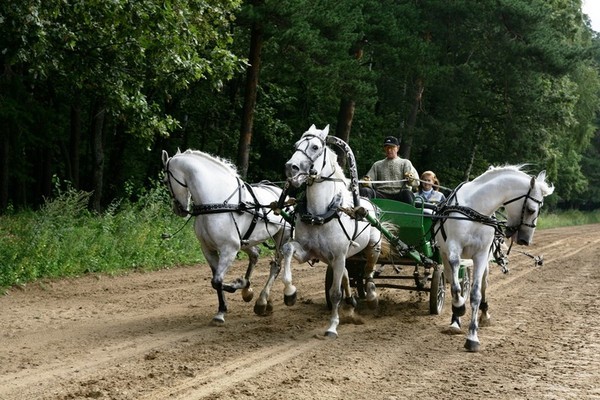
[470, 226]
[231, 215]
[323, 232]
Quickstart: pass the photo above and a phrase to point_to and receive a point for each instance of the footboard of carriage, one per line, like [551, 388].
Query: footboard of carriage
[413, 262]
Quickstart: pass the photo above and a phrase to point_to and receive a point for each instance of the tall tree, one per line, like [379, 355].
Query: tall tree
[132, 57]
[252, 74]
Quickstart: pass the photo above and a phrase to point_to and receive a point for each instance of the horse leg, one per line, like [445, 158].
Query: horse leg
[348, 298]
[335, 295]
[458, 302]
[263, 305]
[289, 250]
[371, 291]
[225, 258]
[480, 266]
[247, 292]
[484, 318]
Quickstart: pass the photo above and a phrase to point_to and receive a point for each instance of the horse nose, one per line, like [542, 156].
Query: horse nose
[291, 169]
[523, 242]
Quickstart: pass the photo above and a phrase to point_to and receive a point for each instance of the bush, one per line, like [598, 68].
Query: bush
[65, 239]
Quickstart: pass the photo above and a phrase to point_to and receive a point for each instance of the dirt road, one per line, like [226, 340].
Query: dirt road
[148, 336]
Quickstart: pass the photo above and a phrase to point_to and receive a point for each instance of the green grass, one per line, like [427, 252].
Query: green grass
[564, 218]
[65, 239]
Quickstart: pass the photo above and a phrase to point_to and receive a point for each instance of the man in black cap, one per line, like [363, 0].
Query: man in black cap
[395, 177]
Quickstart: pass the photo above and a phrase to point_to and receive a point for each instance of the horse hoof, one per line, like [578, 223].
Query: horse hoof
[260, 309]
[351, 301]
[217, 321]
[289, 300]
[331, 335]
[459, 311]
[472, 346]
[247, 294]
[373, 304]
[453, 330]
[484, 320]
[263, 309]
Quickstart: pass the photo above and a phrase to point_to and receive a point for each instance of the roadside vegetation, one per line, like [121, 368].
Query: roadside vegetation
[65, 239]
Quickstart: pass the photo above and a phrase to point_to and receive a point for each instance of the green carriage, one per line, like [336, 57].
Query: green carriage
[414, 263]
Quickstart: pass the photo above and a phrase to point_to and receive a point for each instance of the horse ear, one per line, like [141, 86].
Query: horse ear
[165, 157]
[541, 176]
[547, 189]
[532, 182]
[312, 127]
[326, 130]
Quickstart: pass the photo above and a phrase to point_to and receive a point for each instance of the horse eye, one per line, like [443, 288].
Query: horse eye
[315, 147]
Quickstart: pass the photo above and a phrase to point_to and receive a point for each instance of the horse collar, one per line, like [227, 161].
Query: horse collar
[331, 213]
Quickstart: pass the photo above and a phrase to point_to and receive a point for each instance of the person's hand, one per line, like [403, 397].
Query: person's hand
[411, 180]
[366, 184]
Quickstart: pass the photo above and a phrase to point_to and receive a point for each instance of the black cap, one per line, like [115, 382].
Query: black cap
[390, 141]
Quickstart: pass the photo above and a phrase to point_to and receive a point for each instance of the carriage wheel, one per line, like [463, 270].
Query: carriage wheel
[437, 293]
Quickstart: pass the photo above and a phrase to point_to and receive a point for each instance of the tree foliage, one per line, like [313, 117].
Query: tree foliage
[463, 84]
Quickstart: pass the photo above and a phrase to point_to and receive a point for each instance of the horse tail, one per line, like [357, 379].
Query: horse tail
[387, 249]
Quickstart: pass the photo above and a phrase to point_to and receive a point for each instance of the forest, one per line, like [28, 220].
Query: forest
[91, 91]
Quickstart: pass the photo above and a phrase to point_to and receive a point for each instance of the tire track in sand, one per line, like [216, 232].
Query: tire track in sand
[227, 376]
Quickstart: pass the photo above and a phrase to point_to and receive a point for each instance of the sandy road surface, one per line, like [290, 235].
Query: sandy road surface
[148, 336]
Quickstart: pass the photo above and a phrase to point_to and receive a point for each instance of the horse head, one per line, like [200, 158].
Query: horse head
[174, 178]
[522, 215]
[309, 151]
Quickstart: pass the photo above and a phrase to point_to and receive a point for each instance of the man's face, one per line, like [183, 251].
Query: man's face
[391, 152]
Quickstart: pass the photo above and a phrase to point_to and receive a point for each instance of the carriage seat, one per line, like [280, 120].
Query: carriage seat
[412, 226]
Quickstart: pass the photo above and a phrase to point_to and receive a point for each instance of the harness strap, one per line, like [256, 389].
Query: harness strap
[255, 214]
[225, 207]
[331, 213]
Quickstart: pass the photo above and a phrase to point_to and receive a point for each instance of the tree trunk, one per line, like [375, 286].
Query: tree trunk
[98, 113]
[473, 154]
[344, 125]
[256, 42]
[5, 151]
[407, 137]
[74, 143]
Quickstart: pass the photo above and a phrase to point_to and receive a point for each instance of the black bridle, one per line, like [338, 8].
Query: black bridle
[312, 172]
[512, 229]
[334, 208]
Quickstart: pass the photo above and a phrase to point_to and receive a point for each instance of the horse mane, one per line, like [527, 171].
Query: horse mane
[221, 162]
[492, 171]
